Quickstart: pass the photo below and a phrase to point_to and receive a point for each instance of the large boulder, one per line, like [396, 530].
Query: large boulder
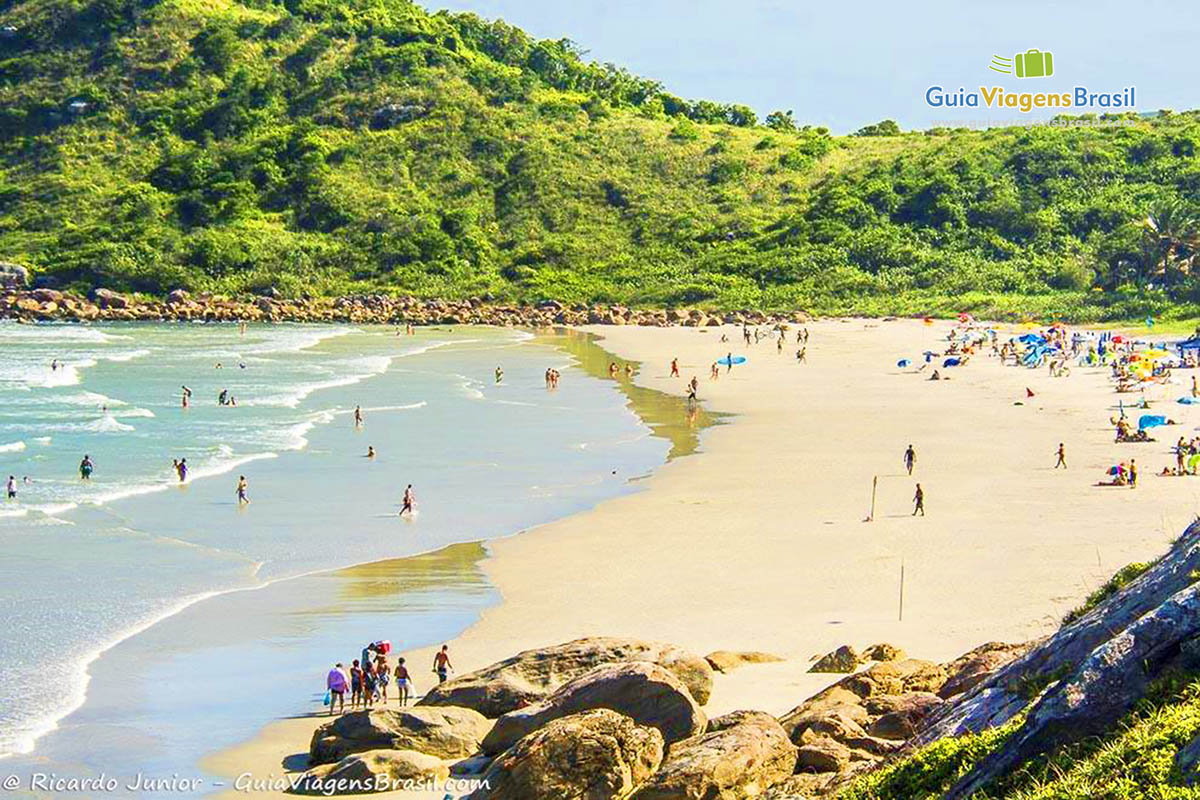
[371, 771]
[13, 276]
[897, 677]
[822, 754]
[595, 755]
[107, 298]
[445, 732]
[900, 715]
[533, 674]
[740, 760]
[647, 693]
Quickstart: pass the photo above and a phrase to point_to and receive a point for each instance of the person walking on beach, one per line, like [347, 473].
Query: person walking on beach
[779, 345]
[802, 355]
[403, 682]
[409, 501]
[728, 363]
[715, 372]
[1132, 474]
[919, 499]
[12, 487]
[356, 684]
[910, 459]
[242, 487]
[181, 469]
[358, 416]
[674, 367]
[335, 682]
[1062, 457]
[441, 663]
[1195, 388]
[86, 467]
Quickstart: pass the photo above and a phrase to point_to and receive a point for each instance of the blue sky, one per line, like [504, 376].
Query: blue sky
[846, 64]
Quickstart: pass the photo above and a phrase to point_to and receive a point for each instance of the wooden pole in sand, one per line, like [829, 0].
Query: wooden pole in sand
[901, 590]
[874, 486]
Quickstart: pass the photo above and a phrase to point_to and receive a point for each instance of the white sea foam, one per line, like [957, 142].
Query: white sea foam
[12, 447]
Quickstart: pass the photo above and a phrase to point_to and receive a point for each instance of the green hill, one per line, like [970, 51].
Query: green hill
[340, 146]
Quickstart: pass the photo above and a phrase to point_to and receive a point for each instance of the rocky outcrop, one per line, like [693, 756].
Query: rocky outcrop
[898, 716]
[444, 732]
[17, 302]
[595, 755]
[647, 693]
[530, 676]
[739, 759]
[371, 771]
[1103, 688]
[729, 660]
[1007, 691]
[822, 754]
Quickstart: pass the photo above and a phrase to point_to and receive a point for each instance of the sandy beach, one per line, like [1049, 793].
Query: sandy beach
[759, 542]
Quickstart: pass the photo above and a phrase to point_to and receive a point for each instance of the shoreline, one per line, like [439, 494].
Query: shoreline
[580, 349]
[979, 597]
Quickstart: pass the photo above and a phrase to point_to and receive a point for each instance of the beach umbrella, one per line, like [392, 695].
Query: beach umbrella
[1118, 339]
[902, 362]
[1150, 421]
[1154, 354]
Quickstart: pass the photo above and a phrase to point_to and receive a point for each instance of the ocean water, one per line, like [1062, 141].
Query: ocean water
[98, 571]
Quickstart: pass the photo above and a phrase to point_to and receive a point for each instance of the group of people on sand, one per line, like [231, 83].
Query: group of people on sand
[614, 370]
[369, 676]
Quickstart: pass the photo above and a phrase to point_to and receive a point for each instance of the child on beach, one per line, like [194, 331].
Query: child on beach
[403, 682]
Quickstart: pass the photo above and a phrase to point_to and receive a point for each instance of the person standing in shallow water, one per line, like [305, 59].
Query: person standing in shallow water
[674, 367]
[358, 416]
[409, 501]
[86, 467]
[242, 488]
[919, 499]
[910, 459]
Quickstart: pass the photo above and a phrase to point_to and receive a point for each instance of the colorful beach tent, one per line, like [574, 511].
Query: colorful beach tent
[1150, 421]
[1188, 344]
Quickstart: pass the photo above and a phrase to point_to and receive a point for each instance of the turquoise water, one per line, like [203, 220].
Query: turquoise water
[87, 565]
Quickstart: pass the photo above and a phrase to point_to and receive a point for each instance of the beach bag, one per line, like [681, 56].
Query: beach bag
[328, 697]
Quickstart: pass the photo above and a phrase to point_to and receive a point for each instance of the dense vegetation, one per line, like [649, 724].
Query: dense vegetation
[330, 146]
[1135, 760]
